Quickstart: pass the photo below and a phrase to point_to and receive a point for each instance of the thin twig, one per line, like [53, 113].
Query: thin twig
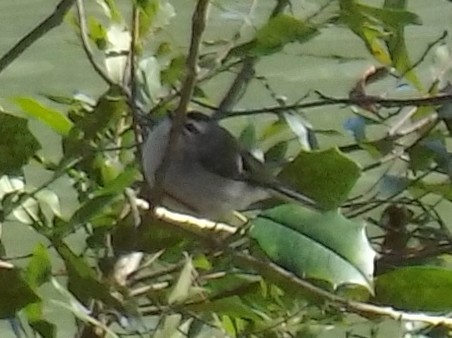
[52, 21]
[132, 77]
[246, 73]
[426, 51]
[198, 26]
[86, 46]
[330, 101]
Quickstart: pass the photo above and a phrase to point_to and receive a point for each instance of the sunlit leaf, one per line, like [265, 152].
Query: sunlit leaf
[111, 10]
[39, 269]
[300, 127]
[325, 176]
[184, 287]
[52, 118]
[416, 288]
[17, 144]
[169, 327]
[117, 52]
[323, 246]
[148, 75]
[97, 33]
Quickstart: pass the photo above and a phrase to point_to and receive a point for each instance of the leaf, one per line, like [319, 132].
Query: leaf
[90, 209]
[322, 246]
[97, 33]
[397, 18]
[52, 118]
[79, 310]
[117, 51]
[117, 185]
[277, 152]
[15, 292]
[17, 143]
[299, 127]
[44, 328]
[275, 34]
[184, 287]
[416, 288]
[39, 269]
[325, 176]
[35, 314]
[82, 280]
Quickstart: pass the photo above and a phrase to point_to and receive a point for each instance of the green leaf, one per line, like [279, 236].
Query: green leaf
[44, 328]
[322, 246]
[39, 269]
[416, 288]
[82, 280]
[34, 313]
[91, 208]
[277, 152]
[325, 176]
[17, 144]
[15, 292]
[97, 33]
[119, 183]
[52, 118]
[275, 34]
[397, 18]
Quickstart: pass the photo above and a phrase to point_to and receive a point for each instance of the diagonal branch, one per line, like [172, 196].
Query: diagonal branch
[52, 21]
[199, 20]
[246, 73]
[364, 309]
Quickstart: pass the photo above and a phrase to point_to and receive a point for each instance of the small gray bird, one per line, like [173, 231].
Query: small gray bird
[209, 174]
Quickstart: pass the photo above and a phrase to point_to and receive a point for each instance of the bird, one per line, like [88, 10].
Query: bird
[209, 174]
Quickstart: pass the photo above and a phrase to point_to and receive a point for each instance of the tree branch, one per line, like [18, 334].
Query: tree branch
[199, 20]
[52, 21]
[330, 101]
[246, 73]
[364, 309]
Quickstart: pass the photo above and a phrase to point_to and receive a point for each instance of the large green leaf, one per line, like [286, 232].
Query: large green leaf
[52, 118]
[17, 144]
[325, 176]
[15, 293]
[322, 246]
[416, 288]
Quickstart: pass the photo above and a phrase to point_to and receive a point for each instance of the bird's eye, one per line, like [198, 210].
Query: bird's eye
[191, 127]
